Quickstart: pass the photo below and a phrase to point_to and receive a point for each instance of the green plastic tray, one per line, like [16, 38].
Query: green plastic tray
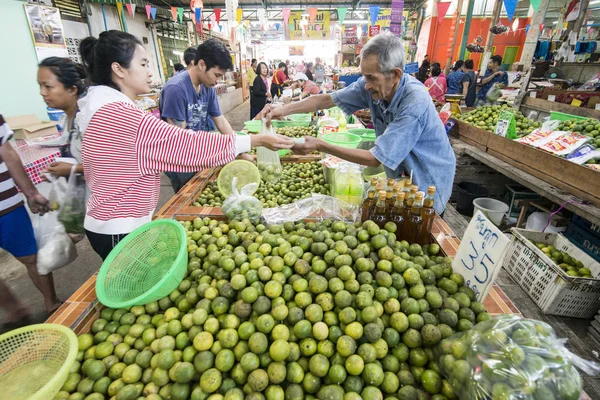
[300, 117]
[347, 140]
[558, 116]
[147, 265]
[253, 126]
[367, 135]
[284, 123]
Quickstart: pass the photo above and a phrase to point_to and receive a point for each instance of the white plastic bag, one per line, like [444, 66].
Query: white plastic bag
[242, 205]
[267, 160]
[318, 206]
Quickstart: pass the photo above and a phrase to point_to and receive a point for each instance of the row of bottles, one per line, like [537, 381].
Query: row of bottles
[348, 183]
[402, 203]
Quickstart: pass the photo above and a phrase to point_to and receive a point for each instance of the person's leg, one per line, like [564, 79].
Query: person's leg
[184, 177]
[14, 308]
[174, 178]
[103, 244]
[44, 283]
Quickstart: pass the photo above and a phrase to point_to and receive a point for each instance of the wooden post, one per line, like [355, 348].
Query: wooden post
[466, 29]
[455, 25]
[533, 34]
[489, 41]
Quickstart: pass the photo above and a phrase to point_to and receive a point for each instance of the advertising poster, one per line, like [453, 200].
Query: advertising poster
[46, 31]
[318, 30]
[296, 50]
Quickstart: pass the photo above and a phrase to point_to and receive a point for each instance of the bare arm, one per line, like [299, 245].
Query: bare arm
[223, 125]
[358, 156]
[489, 78]
[176, 122]
[311, 104]
[465, 89]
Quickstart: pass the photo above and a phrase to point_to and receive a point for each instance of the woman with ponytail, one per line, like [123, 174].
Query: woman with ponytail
[125, 149]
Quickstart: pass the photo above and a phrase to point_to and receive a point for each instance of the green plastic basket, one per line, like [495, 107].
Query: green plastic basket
[558, 116]
[147, 265]
[347, 140]
[367, 135]
[285, 123]
[253, 126]
[35, 361]
[300, 117]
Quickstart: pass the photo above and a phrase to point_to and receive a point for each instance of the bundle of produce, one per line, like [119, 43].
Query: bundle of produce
[241, 204]
[509, 357]
[487, 117]
[297, 131]
[294, 311]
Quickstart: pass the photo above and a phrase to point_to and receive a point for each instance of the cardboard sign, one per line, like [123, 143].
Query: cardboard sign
[576, 103]
[411, 68]
[374, 30]
[506, 126]
[479, 257]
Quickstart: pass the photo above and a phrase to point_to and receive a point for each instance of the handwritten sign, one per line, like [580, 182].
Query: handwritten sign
[506, 126]
[479, 257]
[411, 68]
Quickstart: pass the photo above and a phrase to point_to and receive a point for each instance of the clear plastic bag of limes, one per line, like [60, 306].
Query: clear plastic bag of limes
[267, 160]
[245, 173]
[242, 205]
[512, 358]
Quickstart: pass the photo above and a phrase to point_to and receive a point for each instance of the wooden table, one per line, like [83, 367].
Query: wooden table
[543, 188]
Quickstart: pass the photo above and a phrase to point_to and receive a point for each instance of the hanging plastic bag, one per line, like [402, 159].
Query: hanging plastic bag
[494, 93]
[242, 205]
[318, 206]
[267, 160]
[508, 357]
[445, 113]
[72, 210]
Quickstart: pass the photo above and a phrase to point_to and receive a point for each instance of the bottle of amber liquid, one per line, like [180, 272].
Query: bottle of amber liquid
[397, 215]
[380, 187]
[380, 215]
[390, 200]
[368, 205]
[428, 215]
[408, 202]
[390, 184]
[415, 221]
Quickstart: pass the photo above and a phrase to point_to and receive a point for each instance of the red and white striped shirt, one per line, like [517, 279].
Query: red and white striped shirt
[124, 151]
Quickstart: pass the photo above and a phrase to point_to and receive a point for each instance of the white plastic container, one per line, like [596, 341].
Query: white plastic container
[494, 210]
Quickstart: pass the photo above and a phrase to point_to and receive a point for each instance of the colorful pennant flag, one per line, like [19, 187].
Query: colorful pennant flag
[247, 23]
[277, 25]
[510, 6]
[312, 13]
[238, 15]
[218, 15]
[130, 9]
[442, 8]
[180, 14]
[541, 27]
[198, 12]
[527, 28]
[342, 14]
[174, 13]
[515, 24]
[535, 4]
[120, 8]
[286, 14]
[374, 13]
[148, 7]
[209, 26]
[213, 19]
[153, 13]
[220, 28]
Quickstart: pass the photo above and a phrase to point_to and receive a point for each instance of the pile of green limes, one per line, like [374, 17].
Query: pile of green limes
[296, 311]
[486, 118]
[297, 131]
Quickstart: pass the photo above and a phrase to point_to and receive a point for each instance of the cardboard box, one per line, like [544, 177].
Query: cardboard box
[31, 127]
[518, 192]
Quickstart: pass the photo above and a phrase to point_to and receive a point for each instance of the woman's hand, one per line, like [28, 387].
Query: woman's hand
[59, 169]
[272, 142]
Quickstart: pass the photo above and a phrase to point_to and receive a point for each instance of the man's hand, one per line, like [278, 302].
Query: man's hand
[272, 142]
[500, 73]
[60, 169]
[246, 156]
[38, 204]
[271, 112]
[310, 144]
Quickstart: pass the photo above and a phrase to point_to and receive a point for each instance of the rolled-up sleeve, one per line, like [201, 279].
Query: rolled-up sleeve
[397, 141]
[352, 98]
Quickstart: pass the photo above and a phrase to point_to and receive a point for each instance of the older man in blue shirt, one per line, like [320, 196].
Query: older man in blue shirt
[410, 134]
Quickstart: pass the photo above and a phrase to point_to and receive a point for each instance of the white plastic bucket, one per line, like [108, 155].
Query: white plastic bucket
[493, 209]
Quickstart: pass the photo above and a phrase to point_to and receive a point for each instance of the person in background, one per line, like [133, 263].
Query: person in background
[177, 68]
[493, 75]
[189, 99]
[189, 56]
[410, 135]
[455, 77]
[436, 84]
[437, 64]
[279, 79]
[125, 149]
[62, 82]
[251, 74]
[16, 231]
[309, 71]
[423, 71]
[308, 87]
[469, 84]
[319, 71]
[259, 93]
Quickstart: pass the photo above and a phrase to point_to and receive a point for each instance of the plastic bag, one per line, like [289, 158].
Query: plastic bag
[565, 143]
[584, 154]
[493, 93]
[72, 210]
[445, 113]
[508, 357]
[318, 206]
[267, 160]
[540, 135]
[242, 205]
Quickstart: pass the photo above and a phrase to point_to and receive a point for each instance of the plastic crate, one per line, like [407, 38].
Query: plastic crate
[514, 193]
[285, 123]
[548, 286]
[588, 226]
[585, 240]
[558, 116]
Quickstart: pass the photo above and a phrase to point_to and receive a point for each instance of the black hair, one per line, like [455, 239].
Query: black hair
[469, 64]
[258, 68]
[436, 64]
[67, 72]
[281, 65]
[458, 65]
[178, 67]
[253, 61]
[99, 54]
[189, 55]
[214, 54]
[497, 59]
[436, 70]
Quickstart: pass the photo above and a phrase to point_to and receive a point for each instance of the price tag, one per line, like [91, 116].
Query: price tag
[506, 126]
[597, 106]
[533, 94]
[576, 103]
[480, 255]
[411, 68]
[551, 97]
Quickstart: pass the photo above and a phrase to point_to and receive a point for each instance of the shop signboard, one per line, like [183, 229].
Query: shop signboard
[411, 68]
[302, 29]
[296, 50]
[349, 35]
[480, 254]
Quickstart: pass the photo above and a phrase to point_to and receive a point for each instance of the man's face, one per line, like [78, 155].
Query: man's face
[209, 77]
[377, 83]
[492, 65]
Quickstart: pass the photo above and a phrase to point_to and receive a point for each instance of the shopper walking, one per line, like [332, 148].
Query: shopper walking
[251, 74]
[309, 71]
[189, 99]
[454, 79]
[16, 231]
[125, 149]
[436, 85]
[493, 75]
[469, 84]
[410, 135]
[259, 93]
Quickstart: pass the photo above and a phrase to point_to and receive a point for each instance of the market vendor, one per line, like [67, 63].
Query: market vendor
[493, 75]
[307, 86]
[189, 99]
[410, 134]
[125, 149]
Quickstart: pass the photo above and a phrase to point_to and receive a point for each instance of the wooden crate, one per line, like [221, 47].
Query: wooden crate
[471, 134]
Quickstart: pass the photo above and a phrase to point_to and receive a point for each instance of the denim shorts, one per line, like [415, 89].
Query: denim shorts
[16, 233]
